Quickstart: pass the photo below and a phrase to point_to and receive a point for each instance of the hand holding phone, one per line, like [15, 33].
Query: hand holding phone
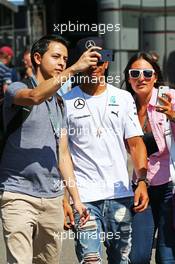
[162, 91]
[165, 105]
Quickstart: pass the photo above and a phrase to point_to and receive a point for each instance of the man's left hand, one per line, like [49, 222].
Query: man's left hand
[141, 198]
[83, 212]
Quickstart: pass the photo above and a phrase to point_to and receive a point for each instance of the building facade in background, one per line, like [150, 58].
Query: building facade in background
[147, 25]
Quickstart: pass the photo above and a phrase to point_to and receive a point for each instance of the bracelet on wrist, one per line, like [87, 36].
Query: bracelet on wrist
[144, 179]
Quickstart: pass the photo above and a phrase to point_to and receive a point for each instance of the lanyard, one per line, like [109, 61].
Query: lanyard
[54, 123]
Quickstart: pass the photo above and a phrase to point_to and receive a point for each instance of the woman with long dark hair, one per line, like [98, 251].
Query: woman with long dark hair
[142, 78]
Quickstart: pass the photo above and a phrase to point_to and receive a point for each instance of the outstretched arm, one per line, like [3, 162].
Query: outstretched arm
[49, 87]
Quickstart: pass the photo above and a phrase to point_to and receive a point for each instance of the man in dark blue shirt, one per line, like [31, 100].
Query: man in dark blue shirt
[5, 73]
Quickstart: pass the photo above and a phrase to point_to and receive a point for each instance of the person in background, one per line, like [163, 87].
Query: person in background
[28, 68]
[8, 55]
[154, 54]
[5, 74]
[142, 78]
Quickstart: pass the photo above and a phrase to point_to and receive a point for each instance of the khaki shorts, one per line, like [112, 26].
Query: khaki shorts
[31, 228]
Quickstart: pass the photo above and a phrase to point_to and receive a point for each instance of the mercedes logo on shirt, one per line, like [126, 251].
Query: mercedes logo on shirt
[89, 43]
[79, 103]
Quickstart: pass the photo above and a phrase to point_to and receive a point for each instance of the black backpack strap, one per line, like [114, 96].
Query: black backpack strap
[17, 120]
[60, 103]
[29, 82]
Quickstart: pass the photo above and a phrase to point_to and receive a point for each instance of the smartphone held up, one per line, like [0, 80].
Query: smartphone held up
[106, 55]
[162, 92]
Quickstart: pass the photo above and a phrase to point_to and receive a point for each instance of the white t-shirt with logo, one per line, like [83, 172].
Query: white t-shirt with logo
[97, 127]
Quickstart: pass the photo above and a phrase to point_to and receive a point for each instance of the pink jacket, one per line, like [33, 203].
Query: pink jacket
[158, 163]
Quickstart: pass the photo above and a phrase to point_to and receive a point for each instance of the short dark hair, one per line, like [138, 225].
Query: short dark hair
[41, 45]
[26, 51]
[146, 56]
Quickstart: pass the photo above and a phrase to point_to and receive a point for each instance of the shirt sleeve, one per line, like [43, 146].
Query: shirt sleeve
[11, 92]
[7, 77]
[132, 124]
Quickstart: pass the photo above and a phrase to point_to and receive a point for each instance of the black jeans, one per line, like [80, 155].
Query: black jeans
[157, 217]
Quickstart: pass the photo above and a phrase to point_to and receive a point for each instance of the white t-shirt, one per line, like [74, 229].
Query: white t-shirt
[97, 127]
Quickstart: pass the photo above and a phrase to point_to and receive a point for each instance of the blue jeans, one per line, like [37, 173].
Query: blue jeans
[110, 222]
[158, 217]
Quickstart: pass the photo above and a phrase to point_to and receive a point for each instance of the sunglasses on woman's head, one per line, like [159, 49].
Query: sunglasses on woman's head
[136, 73]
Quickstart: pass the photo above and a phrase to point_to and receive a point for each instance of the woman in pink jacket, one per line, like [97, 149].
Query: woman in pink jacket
[142, 78]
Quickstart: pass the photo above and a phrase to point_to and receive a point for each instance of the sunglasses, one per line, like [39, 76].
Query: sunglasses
[136, 73]
[99, 63]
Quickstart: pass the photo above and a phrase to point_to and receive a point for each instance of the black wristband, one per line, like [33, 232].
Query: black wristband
[143, 178]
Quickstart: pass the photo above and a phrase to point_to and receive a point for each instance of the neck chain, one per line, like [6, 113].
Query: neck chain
[145, 123]
[99, 128]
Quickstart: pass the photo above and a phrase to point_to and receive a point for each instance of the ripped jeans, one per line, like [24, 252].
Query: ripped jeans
[110, 222]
